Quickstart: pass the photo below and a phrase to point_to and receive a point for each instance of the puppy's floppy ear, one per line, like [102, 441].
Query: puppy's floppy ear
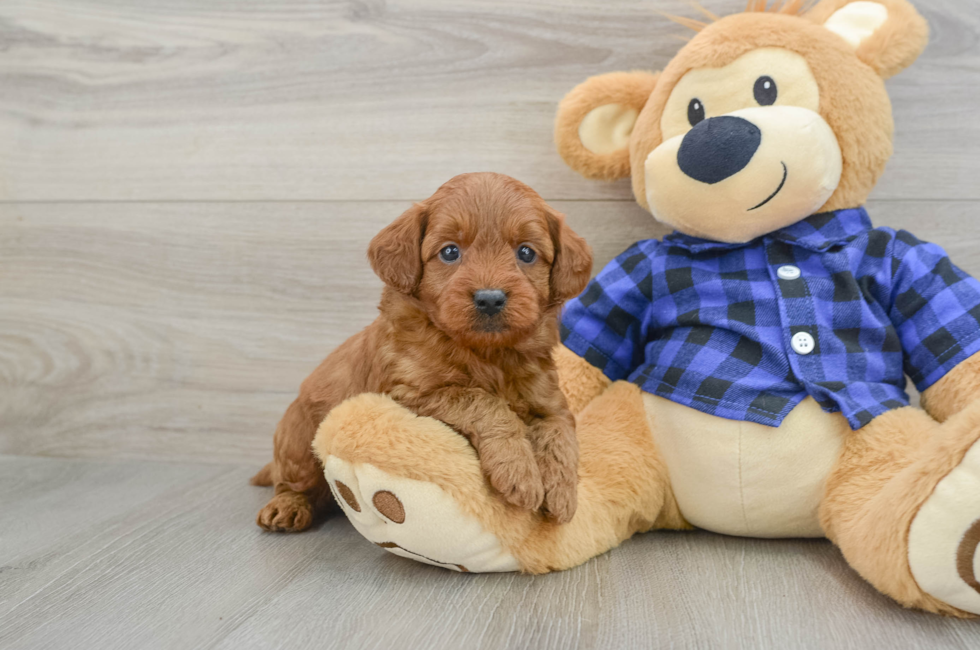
[595, 121]
[395, 253]
[572, 266]
[888, 35]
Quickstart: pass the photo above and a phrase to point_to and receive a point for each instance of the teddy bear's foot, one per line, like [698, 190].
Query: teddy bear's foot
[944, 538]
[415, 487]
[414, 519]
[903, 505]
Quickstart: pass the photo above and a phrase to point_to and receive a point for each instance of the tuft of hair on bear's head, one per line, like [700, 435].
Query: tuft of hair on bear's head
[787, 7]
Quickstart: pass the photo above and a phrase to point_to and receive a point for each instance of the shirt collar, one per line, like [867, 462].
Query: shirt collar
[817, 232]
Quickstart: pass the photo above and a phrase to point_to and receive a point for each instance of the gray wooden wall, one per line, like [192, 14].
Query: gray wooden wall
[187, 188]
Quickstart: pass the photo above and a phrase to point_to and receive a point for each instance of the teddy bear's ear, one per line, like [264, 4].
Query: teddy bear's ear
[888, 35]
[595, 120]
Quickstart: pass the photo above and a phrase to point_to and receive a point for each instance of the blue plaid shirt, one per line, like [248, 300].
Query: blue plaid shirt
[709, 324]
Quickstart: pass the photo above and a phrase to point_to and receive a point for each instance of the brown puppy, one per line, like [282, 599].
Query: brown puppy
[475, 275]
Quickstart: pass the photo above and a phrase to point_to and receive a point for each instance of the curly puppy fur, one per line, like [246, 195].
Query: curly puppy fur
[490, 377]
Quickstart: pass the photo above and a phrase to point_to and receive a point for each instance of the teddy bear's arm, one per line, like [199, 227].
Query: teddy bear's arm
[935, 307]
[605, 329]
[952, 393]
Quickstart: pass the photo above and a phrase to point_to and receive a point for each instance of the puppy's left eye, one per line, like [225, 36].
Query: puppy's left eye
[526, 254]
[449, 254]
[765, 91]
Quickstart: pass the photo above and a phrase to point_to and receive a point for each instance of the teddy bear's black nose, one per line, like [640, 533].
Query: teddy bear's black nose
[717, 148]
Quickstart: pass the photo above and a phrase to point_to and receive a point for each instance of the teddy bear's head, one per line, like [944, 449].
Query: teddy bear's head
[762, 119]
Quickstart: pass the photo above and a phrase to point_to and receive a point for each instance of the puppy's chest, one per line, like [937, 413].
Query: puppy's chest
[512, 382]
[520, 405]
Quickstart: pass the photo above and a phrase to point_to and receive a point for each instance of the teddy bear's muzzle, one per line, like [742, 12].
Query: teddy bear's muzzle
[740, 175]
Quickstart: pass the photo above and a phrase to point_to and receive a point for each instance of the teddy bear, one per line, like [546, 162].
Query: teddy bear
[745, 374]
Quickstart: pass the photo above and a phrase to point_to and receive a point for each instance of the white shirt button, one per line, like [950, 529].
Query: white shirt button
[802, 343]
[788, 272]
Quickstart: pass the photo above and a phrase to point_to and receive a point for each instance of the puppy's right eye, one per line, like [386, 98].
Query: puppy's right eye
[449, 254]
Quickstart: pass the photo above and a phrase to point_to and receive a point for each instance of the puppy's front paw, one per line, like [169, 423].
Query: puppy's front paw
[513, 471]
[557, 456]
[286, 512]
[559, 474]
[561, 500]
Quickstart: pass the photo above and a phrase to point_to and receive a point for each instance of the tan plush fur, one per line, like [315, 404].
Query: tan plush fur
[489, 375]
[853, 98]
[580, 382]
[954, 392]
[889, 468]
[887, 471]
[623, 484]
[624, 88]
[894, 47]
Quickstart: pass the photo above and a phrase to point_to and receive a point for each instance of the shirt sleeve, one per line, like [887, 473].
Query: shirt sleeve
[935, 309]
[607, 325]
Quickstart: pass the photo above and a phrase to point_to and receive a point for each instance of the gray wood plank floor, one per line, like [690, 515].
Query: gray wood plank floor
[187, 190]
[135, 554]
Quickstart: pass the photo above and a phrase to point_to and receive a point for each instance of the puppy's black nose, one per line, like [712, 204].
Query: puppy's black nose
[717, 148]
[489, 301]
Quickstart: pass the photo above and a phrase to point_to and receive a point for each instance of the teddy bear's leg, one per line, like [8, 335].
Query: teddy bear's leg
[624, 487]
[903, 504]
[415, 487]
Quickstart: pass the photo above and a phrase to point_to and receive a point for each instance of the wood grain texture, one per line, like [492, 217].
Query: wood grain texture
[182, 331]
[187, 190]
[180, 564]
[366, 100]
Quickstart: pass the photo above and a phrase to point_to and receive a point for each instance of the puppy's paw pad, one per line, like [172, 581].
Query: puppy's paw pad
[519, 486]
[559, 474]
[560, 503]
[286, 512]
[513, 471]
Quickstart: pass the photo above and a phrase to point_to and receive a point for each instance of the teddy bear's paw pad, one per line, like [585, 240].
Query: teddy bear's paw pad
[414, 519]
[944, 539]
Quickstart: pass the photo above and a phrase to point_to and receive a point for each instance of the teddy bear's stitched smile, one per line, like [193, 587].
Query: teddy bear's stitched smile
[773, 195]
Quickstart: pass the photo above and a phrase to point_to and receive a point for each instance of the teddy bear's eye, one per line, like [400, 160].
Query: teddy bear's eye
[765, 91]
[695, 111]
